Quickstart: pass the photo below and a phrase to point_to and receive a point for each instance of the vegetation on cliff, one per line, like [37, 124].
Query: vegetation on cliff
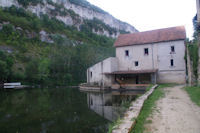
[61, 62]
[69, 17]
[86, 4]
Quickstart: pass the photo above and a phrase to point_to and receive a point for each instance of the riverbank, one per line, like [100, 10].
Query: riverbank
[173, 113]
[128, 121]
[147, 109]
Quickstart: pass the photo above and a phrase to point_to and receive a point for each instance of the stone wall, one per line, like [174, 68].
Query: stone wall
[159, 57]
[96, 76]
[136, 53]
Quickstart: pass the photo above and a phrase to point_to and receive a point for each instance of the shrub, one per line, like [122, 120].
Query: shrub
[26, 3]
[6, 63]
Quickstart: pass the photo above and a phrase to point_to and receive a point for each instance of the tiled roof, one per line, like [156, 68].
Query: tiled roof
[134, 72]
[154, 36]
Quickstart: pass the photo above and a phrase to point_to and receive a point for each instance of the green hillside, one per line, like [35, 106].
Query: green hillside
[25, 58]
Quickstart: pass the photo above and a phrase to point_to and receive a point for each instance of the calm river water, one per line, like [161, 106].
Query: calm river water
[60, 110]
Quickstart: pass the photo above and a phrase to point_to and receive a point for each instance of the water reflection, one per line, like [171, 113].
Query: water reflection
[53, 110]
[111, 105]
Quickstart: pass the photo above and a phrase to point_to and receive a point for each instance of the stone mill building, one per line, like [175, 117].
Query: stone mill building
[155, 56]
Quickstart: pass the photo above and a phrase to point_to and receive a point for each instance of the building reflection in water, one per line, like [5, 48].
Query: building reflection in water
[110, 105]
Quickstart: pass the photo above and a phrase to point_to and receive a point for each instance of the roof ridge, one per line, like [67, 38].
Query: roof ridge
[155, 30]
[152, 36]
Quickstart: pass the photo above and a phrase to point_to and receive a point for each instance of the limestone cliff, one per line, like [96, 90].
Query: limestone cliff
[78, 13]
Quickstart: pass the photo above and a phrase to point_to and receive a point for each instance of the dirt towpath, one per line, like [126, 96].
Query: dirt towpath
[174, 113]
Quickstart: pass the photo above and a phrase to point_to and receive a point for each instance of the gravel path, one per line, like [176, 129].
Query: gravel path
[175, 113]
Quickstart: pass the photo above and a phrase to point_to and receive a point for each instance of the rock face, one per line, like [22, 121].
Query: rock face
[91, 14]
[75, 14]
[7, 3]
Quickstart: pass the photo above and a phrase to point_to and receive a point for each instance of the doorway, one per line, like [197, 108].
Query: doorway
[137, 79]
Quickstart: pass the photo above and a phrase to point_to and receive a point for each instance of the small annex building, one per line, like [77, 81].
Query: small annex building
[155, 56]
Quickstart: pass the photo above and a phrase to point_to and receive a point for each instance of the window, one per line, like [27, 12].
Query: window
[91, 101]
[136, 63]
[91, 74]
[172, 62]
[126, 53]
[146, 51]
[172, 49]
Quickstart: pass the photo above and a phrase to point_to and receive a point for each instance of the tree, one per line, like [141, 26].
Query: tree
[43, 69]
[6, 63]
[32, 71]
[7, 29]
[3, 71]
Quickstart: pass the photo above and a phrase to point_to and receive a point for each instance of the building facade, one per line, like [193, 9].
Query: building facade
[141, 58]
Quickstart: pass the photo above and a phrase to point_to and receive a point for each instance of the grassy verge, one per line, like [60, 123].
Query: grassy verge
[148, 108]
[114, 124]
[194, 93]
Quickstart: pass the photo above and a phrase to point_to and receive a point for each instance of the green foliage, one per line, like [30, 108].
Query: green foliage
[6, 62]
[97, 25]
[193, 51]
[7, 29]
[18, 76]
[193, 47]
[25, 3]
[19, 18]
[43, 69]
[4, 71]
[113, 125]
[194, 93]
[62, 63]
[32, 71]
[149, 87]
[31, 22]
[62, 11]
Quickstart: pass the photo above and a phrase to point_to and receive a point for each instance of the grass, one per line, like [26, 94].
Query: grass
[114, 124]
[149, 87]
[148, 108]
[194, 93]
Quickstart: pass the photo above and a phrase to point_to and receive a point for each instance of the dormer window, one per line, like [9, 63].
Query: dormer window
[126, 53]
[146, 51]
[172, 49]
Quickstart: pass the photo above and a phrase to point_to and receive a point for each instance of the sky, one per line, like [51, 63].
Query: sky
[147, 15]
